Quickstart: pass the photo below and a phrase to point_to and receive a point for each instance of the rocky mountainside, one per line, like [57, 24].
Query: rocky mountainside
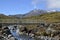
[48, 17]
[34, 12]
[34, 16]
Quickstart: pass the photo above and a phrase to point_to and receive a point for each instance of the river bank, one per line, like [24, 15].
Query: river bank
[30, 32]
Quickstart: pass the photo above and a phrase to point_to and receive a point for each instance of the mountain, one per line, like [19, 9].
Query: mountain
[17, 15]
[52, 11]
[2, 16]
[6, 19]
[48, 17]
[34, 12]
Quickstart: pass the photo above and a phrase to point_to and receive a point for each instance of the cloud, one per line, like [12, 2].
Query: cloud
[53, 3]
[49, 4]
[35, 3]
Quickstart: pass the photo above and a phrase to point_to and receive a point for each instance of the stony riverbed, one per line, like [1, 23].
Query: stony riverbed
[13, 33]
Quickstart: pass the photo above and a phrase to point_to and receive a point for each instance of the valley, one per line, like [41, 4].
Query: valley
[45, 26]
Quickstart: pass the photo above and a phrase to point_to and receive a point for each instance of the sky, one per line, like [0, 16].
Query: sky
[12, 7]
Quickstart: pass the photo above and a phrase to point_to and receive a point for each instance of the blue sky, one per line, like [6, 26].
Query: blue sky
[11, 7]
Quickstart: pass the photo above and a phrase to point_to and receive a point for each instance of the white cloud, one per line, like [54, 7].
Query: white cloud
[53, 3]
[35, 3]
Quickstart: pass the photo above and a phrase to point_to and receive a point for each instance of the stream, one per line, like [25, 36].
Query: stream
[18, 36]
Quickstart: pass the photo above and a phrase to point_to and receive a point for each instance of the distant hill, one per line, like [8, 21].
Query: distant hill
[48, 17]
[44, 17]
[34, 12]
[4, 18]
[17, 15]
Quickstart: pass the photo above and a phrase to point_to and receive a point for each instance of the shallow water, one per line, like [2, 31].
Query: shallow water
[20, 37]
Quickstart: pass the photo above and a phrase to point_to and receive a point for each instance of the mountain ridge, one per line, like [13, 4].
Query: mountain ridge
[34, 12]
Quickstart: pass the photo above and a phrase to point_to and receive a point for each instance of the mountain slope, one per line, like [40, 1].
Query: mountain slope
[48, 17]
[2, 16]
[17, 15]
[5, 19]
[34, 12]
